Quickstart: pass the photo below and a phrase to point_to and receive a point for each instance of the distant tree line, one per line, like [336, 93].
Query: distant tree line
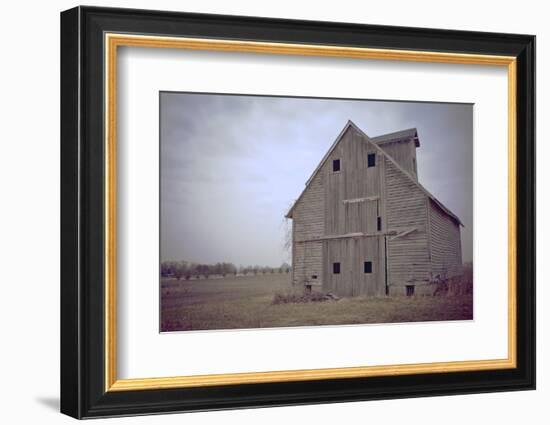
[187, 270]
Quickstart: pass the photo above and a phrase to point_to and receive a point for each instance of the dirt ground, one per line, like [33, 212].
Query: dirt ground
[245, 302]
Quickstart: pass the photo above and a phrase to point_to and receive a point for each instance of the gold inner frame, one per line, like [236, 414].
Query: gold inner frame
[113, 41]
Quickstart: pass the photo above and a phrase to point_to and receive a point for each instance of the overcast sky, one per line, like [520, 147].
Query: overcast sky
[231, 166]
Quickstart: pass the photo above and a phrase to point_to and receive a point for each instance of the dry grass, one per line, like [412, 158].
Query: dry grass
[269, 300]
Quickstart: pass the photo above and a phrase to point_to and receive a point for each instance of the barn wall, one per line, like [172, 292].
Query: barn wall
[351, 254]
[445, 245]
[408, 256]
[352, 205]
[404, 153]
[308, 222]
[355, 181]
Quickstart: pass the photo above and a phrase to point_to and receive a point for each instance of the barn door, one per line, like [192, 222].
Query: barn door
[338, 271]
[361, 216]
[354, 266]
[369, 266]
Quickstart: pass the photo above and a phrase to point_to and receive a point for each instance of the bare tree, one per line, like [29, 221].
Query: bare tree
[180, 269]
[227, 268]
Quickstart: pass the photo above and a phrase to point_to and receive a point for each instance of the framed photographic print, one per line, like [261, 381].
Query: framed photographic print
[261, 212]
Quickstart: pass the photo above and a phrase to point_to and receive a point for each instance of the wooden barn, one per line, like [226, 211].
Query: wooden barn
[364, 225]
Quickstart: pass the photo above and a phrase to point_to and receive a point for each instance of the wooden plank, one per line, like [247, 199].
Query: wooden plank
[367, 198]
[348, 235]
[403, 234]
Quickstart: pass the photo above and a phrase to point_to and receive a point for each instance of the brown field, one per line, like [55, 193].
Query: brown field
[245, 302]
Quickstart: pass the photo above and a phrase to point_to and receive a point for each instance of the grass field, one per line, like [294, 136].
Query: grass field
[245, 302]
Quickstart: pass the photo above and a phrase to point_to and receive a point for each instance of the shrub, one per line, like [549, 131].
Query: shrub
[457, 285]
[297, 297]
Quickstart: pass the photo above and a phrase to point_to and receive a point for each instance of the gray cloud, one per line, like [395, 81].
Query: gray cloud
[232, 165]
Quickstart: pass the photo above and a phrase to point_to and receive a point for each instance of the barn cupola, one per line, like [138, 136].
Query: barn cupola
[401, 146]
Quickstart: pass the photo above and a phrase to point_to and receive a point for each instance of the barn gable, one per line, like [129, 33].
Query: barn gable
[392, 137]
[318, 168]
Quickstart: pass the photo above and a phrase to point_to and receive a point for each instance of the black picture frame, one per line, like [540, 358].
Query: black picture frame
[83, 392]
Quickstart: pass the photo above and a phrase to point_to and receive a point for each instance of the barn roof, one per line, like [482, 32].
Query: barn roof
[408, 134]
[376, 141]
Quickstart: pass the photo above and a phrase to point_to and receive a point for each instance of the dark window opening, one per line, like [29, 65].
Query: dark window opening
[379, 223]
[367, 267]
[336, 268]
[371, 160]
[335, 165]
[410, 290]
[314, 276]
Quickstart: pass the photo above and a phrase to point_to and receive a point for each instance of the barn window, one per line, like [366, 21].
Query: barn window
[379, 223]
[367, 267]
[336, 268]
[314, 276]
[410, 290]
[371, 160]
[335, 165]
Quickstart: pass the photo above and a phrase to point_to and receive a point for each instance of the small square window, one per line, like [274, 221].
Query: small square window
[371, 160]
[379, 223]
[314, 276]
[335, 165]
[367, 266]
[410, 290]
[336, 268]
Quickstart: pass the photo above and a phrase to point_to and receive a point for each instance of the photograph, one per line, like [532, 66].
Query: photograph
[292, 211]
[344, 203]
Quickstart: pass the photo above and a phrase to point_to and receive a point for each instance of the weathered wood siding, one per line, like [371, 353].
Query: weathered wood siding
[445, 245]
[351, 253]
[308, 222]
[360, 216]
[352, 205]
[404, 153]
[346, 209]
[408, 256]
